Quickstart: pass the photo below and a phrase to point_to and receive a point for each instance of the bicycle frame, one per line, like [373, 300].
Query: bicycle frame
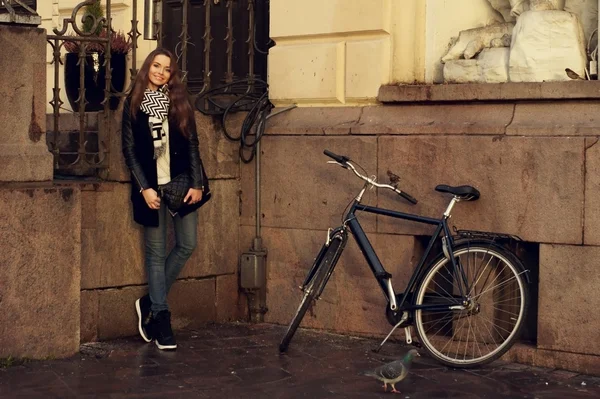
[381, 275]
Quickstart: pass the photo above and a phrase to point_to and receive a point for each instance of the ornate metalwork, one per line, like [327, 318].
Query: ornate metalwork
[229, 39]
[71, 21]
[133, 35]
[207, 40]
[159, 25]
[250, 40]
[184, 40]
[87, 154]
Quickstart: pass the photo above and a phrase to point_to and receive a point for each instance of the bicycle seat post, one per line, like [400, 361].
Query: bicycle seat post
[453, 201]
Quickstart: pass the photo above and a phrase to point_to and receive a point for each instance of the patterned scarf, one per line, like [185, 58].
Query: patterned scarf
[156, 105]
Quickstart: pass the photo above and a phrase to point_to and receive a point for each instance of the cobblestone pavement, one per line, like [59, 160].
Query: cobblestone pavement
[242, 361]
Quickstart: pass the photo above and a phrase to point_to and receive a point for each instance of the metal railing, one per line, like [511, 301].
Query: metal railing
[224, 27]
[181, 49]
[90, 46]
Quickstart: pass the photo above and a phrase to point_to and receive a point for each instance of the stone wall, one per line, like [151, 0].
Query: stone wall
[39, 256]
[535, 164]
[39, 274]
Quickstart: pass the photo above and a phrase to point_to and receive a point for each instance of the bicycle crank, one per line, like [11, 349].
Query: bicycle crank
[402, 320]
[408, 335]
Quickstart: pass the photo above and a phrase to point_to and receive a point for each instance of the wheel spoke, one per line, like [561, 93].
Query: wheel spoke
[474, 287]
[493, 313]
[516, 276]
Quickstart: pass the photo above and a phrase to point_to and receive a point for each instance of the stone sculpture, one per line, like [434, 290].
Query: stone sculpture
[511, 51]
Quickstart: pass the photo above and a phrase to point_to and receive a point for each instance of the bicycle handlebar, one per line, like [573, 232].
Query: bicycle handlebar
[344, 161]
[339, 158]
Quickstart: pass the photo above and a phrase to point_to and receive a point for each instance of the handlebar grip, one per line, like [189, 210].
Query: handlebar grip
[408, 197]
[338, 158]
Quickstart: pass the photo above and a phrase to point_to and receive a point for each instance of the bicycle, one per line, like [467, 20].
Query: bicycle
[474, 286]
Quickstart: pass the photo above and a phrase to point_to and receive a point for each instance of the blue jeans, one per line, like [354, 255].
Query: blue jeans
[163, 270]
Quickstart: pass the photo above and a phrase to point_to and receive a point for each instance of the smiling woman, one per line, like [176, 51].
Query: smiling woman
[160, 145]
[160, 72]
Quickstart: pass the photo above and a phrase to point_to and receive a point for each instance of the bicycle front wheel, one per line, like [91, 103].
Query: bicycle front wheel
[489, 295]
[315, 286]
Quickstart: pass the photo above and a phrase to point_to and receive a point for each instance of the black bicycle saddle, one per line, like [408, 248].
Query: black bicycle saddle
[465, 193]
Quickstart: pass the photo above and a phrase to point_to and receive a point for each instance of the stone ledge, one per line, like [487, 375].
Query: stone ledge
[394, 119]
[435, 119]
[314, 121]
[23, 162]
[566, 117]
[490, 92]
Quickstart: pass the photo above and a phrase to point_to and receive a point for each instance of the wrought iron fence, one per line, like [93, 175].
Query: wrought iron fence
[220, 47]
[92, 43]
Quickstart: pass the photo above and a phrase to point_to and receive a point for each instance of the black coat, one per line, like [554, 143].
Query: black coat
[138, 151]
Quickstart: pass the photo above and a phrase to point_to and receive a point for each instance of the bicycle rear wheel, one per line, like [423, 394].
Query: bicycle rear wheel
[315, 286]
[495, 307]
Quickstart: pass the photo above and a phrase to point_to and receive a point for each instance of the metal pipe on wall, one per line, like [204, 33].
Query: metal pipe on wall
[258, 239]
[260, 298]
[150, 8]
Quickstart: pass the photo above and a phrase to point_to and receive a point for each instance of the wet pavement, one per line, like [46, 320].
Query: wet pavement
[242, 361]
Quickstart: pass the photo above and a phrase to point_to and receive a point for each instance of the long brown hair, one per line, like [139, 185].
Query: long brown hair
[180, 109]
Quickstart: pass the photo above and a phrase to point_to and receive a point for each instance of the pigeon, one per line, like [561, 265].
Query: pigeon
[394, 372]
[572, 74]
[394, 178]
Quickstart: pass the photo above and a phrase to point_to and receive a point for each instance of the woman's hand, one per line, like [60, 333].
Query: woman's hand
[152, 198]
[194, 195]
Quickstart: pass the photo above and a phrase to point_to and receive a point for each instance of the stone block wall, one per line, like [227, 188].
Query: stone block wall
[534, 163]
[23, 152]
[40, 252]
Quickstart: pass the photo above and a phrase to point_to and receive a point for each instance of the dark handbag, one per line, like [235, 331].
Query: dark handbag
[174, 192]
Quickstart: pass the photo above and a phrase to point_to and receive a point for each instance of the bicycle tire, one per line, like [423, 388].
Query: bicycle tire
[314, 287]
[503, 310]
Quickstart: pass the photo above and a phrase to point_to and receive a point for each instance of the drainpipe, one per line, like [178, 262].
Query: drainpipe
[150, 19]
[598, 42]
[253, 264]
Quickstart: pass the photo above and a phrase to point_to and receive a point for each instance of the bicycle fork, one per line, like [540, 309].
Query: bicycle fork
[332, 234]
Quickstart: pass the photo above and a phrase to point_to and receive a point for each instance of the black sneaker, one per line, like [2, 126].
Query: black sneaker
[142, 306]
[163, 334]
